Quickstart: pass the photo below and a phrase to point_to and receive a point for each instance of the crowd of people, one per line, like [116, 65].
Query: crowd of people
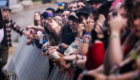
[95, 39]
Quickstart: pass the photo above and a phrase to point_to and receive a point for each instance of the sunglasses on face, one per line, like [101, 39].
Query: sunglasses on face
[60, 4]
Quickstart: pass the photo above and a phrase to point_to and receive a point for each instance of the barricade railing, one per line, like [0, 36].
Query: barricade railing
[28, 64]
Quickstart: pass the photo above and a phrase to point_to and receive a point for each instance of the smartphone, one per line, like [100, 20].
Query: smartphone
[114, 14]
[104, 26]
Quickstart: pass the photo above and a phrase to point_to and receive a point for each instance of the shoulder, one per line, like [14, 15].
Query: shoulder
[69, 35]
[10, 20]
[65, 26]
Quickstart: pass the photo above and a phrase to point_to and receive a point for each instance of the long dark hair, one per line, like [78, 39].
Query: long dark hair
[104, 8]
[137, 10]
[128, 5]
[35, 22]
[53, 40]
[1, 19]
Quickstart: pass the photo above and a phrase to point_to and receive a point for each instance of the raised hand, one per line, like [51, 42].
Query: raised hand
[117, 24]
[51, 50]
[58, 61]
[28, 42]
[97, 32]
[27, 27]
[45, 49]
[80, 30]
[89, 26]
[30, 36]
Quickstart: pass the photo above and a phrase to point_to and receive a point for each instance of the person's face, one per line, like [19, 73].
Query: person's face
[96, 4]
[137, 25]
[75, 24]
[70, 24]
[73, 7]
[80, 5]
[137, 22]
[6, 13]
[42, 21]
[37, 16]
[84, 19]
[65, 16]
[122, 12]
[50, 11]
[92, 17]
[52, 25]
[59, 6]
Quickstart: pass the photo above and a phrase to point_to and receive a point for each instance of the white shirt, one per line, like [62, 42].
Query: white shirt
[1, 35]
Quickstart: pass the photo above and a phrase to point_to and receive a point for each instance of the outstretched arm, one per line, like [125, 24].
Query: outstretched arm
[35, 27]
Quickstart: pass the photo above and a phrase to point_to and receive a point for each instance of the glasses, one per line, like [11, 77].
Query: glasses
[62, 4]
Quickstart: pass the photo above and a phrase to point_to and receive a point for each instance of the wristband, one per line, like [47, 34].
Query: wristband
[136, 75]
[87, 36]
[60, 44]
[133, 55]
[73, 45]
[84, 41]
[81, 55]
[118, 76]
[88, 33]
[112, 76]
[77, 56]
[118, 66]
[77, 39]
[114, 36]
[55, 55]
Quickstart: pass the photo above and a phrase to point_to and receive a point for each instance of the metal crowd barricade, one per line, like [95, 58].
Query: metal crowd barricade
[28, 64]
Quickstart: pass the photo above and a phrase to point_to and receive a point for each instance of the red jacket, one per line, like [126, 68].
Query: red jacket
[95, 56]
